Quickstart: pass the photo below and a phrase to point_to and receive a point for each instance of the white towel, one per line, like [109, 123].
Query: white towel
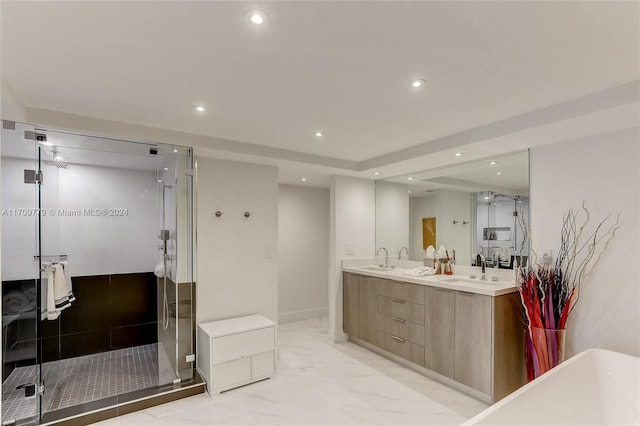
[420, 272]
[52, 312]
[59, 294]
[67, 276]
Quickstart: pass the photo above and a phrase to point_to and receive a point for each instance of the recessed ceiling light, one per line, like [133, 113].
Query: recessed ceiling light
[416, 84]
[199, 108]
[458, 154]
[486, 198]
[165, 169]
[498, 173]
[409, 178]
[257, 17]
[318, 134]
[409, 191]
[303, 179]
[159, 180]
[376, 173]
[493, 163]
[175, 150]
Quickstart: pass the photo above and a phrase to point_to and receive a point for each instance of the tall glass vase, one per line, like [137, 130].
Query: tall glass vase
[544, 349]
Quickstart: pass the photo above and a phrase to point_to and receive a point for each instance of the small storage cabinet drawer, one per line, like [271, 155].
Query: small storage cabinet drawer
[235, 352]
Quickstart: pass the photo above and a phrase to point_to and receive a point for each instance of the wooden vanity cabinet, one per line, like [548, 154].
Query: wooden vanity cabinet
[351, 304]
[472, 339]
[401, 319]
[368, 311]
[439, 330]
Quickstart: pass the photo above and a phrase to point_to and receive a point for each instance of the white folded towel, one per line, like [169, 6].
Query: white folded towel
[420, 272]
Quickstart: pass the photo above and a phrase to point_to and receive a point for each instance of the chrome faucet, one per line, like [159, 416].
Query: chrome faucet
[480, 259]
[386, 256]
[400, 252]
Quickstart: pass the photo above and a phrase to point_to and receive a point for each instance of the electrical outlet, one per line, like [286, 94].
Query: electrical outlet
[268, 252]
[546, 256]
[348, 250]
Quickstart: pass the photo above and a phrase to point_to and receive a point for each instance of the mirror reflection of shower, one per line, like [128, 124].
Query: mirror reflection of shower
[499, 236]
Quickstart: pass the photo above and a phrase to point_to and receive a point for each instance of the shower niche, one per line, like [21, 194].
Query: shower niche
[117, 217]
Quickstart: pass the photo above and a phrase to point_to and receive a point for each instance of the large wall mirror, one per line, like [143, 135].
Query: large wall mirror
[469, 208]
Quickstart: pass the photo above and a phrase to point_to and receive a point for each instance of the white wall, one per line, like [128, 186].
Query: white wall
[237, 259]
[445, 206]
[455, 205]
[603, 171]
[353, 226]
[392, 216]
[303, 252]
[95, 244]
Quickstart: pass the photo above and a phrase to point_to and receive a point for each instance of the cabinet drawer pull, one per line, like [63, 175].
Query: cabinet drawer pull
[399, 339]
[398, 300]
[398, 319]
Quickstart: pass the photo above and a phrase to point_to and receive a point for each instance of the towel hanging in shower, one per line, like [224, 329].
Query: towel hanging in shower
[59, 294]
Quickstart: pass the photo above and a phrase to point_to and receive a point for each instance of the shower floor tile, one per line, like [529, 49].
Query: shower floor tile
[80, 380]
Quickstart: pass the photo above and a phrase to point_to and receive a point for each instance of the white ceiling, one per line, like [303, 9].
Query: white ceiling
[341, 67]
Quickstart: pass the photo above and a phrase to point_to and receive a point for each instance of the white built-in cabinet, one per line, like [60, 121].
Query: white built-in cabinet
[236, 351]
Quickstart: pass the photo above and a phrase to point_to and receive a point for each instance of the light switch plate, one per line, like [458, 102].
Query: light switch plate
[348, 250]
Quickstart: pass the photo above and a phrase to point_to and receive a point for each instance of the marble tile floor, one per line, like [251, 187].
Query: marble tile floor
[320, 383]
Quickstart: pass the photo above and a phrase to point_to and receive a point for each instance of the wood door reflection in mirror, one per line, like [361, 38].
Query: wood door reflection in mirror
[428, 232]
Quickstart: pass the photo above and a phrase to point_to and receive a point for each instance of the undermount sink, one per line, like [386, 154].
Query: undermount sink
[377, 268]
[455, 280]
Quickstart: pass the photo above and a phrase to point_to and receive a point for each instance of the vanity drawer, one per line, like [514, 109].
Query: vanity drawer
[394, 307]
[227, 348]
[402, 347]
[401, 328]
[393, 289]
[415, 313]
[415, 293]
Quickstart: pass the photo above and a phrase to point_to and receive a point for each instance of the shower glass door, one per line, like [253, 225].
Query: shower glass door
[22, 200]
[97, 204]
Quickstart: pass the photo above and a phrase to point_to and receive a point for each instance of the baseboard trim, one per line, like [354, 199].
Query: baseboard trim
[337, 336]
[304, 314]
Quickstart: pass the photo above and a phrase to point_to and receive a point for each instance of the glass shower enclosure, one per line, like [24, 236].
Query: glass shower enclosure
[97, 271]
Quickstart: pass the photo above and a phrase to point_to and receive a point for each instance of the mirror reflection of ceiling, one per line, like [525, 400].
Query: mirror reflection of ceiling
[505, 174]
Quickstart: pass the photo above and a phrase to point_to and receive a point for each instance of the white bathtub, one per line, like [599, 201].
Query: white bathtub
[595, 387]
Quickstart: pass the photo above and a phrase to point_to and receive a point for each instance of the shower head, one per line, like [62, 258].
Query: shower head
[57, 161]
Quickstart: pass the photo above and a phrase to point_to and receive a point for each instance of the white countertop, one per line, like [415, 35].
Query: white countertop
[452, 282]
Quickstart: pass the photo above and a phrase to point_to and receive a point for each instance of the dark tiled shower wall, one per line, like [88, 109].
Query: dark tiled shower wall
[110, 312]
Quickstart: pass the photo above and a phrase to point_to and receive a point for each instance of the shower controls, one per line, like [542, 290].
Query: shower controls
[218, 213]
[247, 214]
